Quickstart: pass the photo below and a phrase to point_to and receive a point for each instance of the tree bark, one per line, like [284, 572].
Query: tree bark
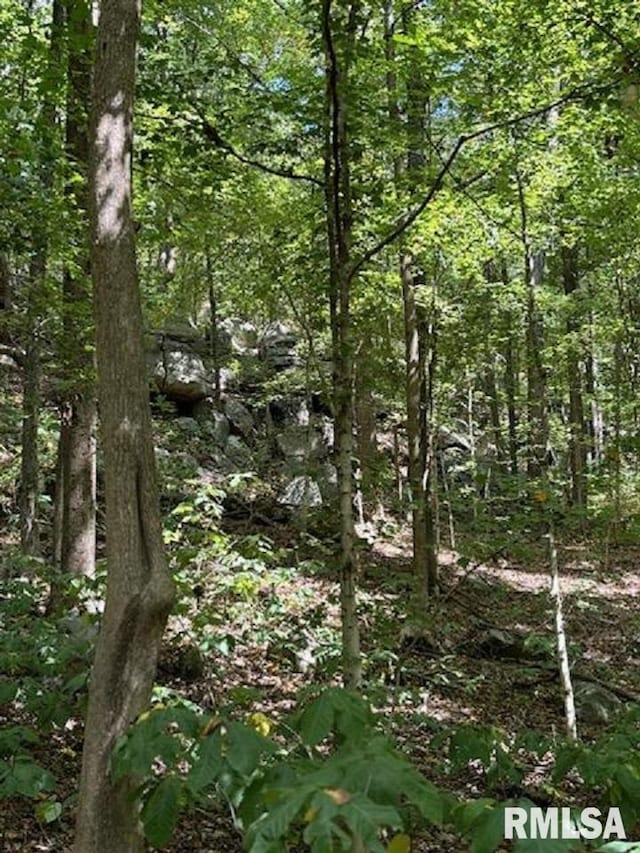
[339, 213]
[536, 379]
[577, 443]
[511, 382]
[30, 458]
[537, 426]
[30, 461]
[139, 587]
[78, 416]
[418, 353]
[562, 648]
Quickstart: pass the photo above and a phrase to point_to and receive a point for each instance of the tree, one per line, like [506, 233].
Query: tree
[77, 447]
[139, 588]
[339, 27]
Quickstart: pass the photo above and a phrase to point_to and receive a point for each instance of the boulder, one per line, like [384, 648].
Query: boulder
[188, 424]
[299, 444]
[240, 336]
[213, 422]
[179, 330]
[278, 346]
[219, 428]
[594, 703]
[328, 481]
[288, 411]
[181, 375]
[237, 456]
[239, 416]
[301, 491]
[228, 378]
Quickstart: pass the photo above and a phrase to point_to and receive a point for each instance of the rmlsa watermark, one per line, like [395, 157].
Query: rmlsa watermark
[562, 823]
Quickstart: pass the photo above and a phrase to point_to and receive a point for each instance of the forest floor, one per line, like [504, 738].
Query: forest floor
[281, 633]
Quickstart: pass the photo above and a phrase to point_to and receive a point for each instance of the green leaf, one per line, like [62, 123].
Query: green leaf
[317, 719]
[160, 812]
[8, 690]
[209, 764]
[428, 799]
[245, 747]
[48, 811]
[24, 778]
[399, 844]
[274, 825]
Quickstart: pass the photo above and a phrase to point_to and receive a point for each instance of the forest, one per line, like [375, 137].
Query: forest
[319, 426]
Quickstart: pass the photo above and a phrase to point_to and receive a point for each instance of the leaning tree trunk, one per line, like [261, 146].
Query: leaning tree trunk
[339, 215]
[139, 587]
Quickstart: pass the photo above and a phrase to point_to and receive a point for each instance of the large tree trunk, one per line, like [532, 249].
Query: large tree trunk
[139, 587]
[77, 492]
[577, 443]
[339, 230]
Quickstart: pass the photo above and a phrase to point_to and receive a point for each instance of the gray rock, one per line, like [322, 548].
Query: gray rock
[9, 363]
[278, 346]
[203, 410]
[186, 460]
[594, 703]
[237, 456]
[301, 491]
[299, 444]
[239, 416]
[215, 424]
[181, 375]
[328, 481]
[241, 335]
[180, 330]
[219, 427]
[228, 378]
[326, 429]
[188, 424]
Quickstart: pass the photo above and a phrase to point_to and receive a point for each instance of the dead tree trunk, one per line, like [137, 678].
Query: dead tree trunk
[139, 587]
[562, 649]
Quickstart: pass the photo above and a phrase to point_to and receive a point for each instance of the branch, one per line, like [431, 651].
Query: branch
[409, 218]
[211, 133]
